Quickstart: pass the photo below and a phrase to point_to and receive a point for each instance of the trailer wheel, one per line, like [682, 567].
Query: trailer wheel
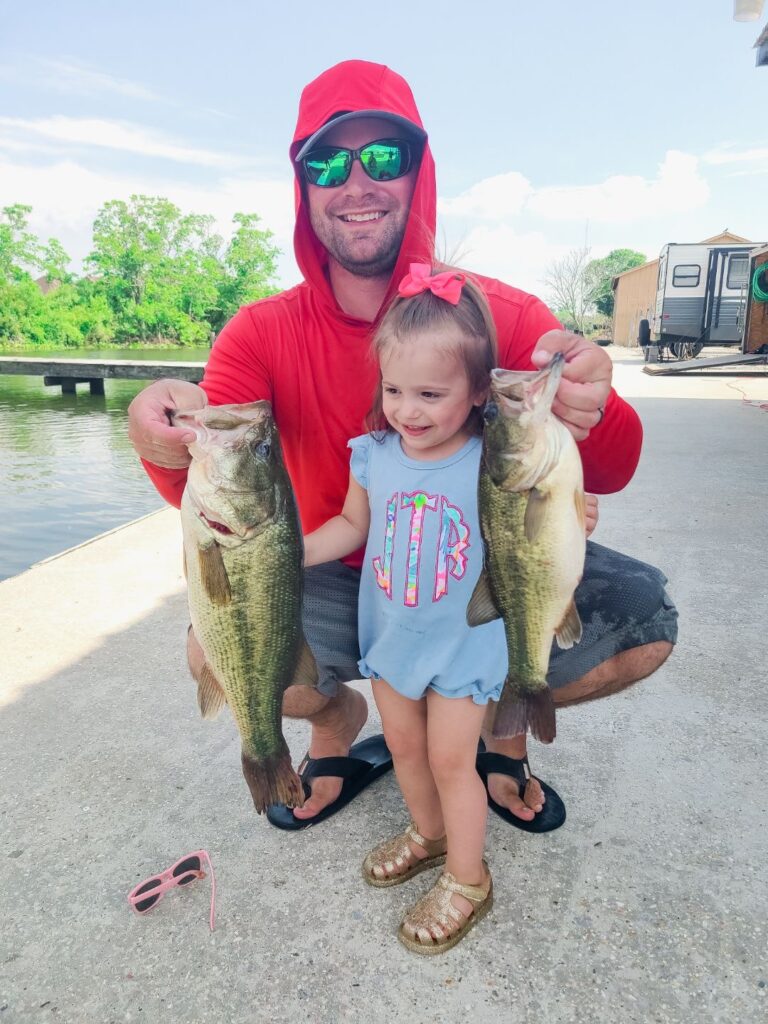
[644, 334]
[686, 349]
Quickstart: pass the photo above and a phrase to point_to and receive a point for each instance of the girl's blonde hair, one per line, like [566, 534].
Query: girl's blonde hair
[475, 347]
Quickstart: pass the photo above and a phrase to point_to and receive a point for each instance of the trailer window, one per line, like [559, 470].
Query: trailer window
[737, 272]
[686, 275]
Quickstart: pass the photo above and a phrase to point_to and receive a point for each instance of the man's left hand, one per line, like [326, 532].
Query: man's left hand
[586, 381]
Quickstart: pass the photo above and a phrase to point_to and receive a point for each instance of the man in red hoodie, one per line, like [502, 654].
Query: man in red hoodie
[306, 350]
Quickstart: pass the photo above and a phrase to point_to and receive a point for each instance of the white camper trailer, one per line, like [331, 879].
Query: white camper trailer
[701, 298]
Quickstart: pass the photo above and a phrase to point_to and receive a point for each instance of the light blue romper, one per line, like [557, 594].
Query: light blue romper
[422, 561]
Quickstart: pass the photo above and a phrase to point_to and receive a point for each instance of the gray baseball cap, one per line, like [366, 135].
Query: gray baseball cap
[411, 130]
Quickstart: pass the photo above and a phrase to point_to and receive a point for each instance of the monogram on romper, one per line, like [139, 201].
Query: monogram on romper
[452, 545]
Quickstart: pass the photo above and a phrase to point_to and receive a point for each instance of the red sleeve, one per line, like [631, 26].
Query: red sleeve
[611, 452]
[237, 371]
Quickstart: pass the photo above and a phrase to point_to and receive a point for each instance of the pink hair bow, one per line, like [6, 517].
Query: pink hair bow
[421, 279]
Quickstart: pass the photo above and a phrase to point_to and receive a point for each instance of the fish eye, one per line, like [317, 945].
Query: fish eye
[263, 449]
[490, 412]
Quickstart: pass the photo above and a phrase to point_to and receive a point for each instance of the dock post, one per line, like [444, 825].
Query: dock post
[97, 385]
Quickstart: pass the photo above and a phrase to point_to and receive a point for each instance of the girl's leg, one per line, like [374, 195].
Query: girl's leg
[405, 729]
[453, 729]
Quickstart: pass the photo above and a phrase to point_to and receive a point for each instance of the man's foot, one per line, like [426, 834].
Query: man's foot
[505, 791]
[334, 730]
[539, 809]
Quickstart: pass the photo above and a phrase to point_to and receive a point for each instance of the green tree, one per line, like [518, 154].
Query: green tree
[250, 265]
[603, 271]
[167, 276]
[21, 252]
[154, 274]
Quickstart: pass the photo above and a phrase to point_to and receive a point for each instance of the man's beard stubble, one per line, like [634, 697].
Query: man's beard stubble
[377, 265]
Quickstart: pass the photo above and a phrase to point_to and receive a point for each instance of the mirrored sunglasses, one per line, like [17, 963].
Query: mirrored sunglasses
[383, 160]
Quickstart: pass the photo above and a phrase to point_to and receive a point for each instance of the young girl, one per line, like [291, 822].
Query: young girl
[413, 500]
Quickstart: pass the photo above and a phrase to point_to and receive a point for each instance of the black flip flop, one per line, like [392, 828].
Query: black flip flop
[368, 760]
[552, 814]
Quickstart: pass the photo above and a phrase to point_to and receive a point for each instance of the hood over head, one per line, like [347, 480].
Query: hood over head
[360, 88]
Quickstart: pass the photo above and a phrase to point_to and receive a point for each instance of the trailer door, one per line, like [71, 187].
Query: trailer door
[727, 295]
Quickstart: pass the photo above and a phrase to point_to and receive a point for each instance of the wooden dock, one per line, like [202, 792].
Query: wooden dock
[68, 373]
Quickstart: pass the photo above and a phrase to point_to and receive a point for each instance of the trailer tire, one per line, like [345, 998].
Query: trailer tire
[685, 349]
[644, 334]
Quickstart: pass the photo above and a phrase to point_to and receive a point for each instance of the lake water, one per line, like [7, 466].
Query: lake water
[67, 469]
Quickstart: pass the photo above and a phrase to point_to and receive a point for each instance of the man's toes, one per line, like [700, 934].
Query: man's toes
[534, 795]
[504, 791]
[324, 792]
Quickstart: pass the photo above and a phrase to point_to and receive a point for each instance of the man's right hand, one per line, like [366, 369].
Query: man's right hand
[149, 422]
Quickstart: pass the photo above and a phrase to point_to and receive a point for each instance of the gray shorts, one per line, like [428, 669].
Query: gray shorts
[622, 603]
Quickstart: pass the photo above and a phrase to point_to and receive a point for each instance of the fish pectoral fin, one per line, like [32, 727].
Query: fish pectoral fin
[213, 573]
[535, 513]
[581, 508]
[210, 696]
[482, 605]
[306, 668]
[568, 632]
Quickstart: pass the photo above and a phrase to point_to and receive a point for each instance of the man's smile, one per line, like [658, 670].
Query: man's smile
[361, 218]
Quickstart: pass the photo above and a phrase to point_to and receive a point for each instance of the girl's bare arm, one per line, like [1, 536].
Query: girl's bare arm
[344, 533]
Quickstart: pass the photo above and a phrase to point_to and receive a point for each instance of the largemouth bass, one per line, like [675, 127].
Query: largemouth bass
[532, 516]
[243, 560]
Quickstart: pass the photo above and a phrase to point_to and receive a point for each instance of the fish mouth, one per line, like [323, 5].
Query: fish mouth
[527, 391]
[212, 524]
[244, 532]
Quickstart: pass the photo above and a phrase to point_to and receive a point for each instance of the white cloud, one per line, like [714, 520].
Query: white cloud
[503, 195]
[619, 199]
[727, 155]
[624, 199]
[520, 258]
[70, 76]
[118, 135]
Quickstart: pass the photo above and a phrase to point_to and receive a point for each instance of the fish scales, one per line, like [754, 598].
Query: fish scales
[243, 558]
[244, 641]
[530, 496]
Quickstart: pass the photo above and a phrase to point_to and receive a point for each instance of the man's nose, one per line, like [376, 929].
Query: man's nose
[358, 181]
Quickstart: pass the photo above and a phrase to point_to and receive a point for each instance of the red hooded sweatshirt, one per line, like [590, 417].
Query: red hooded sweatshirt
[311, 359]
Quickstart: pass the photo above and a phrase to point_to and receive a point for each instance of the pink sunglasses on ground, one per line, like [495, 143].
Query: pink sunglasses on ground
[148, 893]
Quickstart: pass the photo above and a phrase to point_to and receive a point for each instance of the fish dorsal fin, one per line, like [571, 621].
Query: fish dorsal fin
[581, 508]
[535, 513]
[213, 574]
[568, 632]
[306, 668]
[210, 696]
[482, 605]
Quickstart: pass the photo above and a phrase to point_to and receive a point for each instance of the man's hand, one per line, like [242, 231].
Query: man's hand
[149, 423]
[591, 512]
[586, 380]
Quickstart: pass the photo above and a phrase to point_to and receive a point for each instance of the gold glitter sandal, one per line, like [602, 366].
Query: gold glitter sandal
[396, 860]
[435, 914]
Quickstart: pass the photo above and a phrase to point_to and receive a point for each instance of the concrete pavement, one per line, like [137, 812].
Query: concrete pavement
[648, 906]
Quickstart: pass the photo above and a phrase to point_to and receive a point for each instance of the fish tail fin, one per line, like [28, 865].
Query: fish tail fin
[517, 713]
[272, 780]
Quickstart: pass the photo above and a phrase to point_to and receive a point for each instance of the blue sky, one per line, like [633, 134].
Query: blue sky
[551, 123]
